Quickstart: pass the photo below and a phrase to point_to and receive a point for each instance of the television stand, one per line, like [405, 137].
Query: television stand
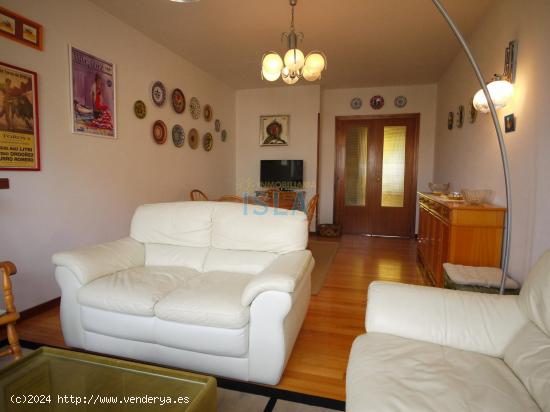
[284, 199]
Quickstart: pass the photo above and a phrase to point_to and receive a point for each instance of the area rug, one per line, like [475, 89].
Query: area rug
[323, 252]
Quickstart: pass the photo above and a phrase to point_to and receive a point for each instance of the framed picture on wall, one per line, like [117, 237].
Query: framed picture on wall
[19, 135]
[20, 29]
[274, 130]
[93, 94]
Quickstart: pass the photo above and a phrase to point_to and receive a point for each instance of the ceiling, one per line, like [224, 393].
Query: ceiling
[367, 42]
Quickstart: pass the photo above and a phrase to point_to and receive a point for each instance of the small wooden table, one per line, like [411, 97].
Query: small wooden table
[62, 380]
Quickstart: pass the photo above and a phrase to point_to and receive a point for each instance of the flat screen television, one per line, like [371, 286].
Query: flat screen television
[282, 174]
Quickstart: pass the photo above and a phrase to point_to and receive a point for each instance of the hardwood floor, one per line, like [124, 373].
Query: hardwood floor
[335, 317]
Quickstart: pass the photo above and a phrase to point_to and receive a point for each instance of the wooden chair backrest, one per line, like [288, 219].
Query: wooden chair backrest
[11, 315]
[311, 207]
[231, 198]
[197, 195]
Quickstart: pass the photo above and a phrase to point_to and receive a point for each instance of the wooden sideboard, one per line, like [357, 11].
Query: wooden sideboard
[456, 232]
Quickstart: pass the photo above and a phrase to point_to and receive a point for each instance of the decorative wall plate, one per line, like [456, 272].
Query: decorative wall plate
[207, 112]
[460, 116]
[158, 93]
[217, 125]
[224, 135]
[193, 137]
[400, 102]
[450, 120]
[140, 110]
[178, 100]
[160, 132]
[356, 103]
[377, 102]
[472, 113]
[195, 107]
[178, 135]
[207, 142]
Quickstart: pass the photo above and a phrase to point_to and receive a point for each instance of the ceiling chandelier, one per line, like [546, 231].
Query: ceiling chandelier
[294, 65]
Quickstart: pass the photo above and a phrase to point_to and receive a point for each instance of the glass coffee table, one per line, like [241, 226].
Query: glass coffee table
[62, 380]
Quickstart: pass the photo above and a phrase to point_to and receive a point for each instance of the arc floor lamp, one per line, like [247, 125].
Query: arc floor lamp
[500, 136]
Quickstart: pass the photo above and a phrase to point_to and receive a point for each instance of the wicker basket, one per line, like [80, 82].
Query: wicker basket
[329, 230]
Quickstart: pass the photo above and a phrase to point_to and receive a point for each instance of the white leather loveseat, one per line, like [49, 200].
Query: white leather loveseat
[432, 349]
[220, 288]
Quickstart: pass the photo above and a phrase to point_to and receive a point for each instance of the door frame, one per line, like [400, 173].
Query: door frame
[340, 161]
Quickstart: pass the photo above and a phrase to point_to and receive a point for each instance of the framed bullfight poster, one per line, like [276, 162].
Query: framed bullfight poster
[92, 95]
[19, 136]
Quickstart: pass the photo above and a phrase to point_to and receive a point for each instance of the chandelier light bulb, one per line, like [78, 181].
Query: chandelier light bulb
[315, 62]
[294, 59]
[501, 92]
[310, 75]
[272, 63]
[270, 77]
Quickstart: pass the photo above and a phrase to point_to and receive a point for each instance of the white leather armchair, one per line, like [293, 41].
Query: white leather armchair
[219, 288]
[433, 349]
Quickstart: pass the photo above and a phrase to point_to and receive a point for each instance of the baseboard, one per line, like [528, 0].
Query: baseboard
[38, 309]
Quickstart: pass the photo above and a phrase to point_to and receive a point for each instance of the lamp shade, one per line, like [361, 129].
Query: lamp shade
[310, 75]
[500, 90]
[294, 59]
[315, 62]
[271, 77]
[272, 63]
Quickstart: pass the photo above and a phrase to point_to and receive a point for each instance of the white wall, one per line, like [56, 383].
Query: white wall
[302, 103]
[469, 157]
[336, 102]
[88, 187]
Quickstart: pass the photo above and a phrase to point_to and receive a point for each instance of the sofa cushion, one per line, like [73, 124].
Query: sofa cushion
[150, 329]
[390, 373]
[170, 255]
[134, 291]
[237, 261]
[534, 298]
[211, 299]
[528, 355]
[178, 223]
[238, 226]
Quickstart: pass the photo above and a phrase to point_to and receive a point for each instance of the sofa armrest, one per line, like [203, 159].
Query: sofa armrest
[96, 261]
[463, 320]
[283, 274]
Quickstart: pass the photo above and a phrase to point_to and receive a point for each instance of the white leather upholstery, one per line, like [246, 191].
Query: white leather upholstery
[170, 255]
[211, 299]
[283, 274]
[134, 291]
[73, 332]
[410, 357]
[173, 292]
[391, 373]
[470, 321]
[236, 225]
[228, 366]
[237, 261]
[534, 297]
[529, 357]
[150, 329]
[178, 223]
[274, 331]
[95, 261]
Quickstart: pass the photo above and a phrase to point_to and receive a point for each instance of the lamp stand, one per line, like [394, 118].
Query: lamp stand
[502, 144]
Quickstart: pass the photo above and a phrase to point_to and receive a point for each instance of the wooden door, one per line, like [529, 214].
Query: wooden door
[375, 175]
